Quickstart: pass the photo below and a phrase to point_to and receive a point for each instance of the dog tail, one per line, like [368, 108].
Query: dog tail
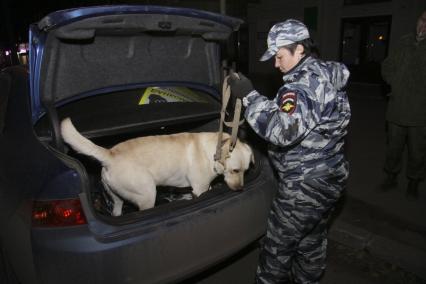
[81, 144]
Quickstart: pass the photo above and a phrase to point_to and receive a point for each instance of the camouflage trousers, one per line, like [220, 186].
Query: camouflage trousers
[414, 138]
[294, 249]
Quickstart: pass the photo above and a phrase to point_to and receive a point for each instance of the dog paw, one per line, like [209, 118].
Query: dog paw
[116, 213]
[186, 196]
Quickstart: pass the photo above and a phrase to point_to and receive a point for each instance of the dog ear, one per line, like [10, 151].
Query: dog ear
[248, 148]
[225, 140]
[219, 168]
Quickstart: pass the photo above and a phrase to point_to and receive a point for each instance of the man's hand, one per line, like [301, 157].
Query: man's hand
[240, 85]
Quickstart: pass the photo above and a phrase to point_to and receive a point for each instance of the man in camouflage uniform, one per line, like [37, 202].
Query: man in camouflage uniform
[405, 70]
[305, 125]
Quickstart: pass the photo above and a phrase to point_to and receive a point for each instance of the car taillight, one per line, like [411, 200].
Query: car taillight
[57, 213]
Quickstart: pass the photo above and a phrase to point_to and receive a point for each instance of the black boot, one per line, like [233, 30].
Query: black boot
[413, 189]
[390, 182]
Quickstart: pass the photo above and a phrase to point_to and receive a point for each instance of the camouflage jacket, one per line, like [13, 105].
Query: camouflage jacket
[306, 122]
[405, 70]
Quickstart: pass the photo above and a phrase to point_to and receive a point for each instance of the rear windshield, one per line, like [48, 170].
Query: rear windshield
[137, 109]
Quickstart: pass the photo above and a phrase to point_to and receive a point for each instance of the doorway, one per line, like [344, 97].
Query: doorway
[363, 46]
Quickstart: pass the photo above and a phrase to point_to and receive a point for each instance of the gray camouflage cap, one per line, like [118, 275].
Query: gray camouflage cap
[284, 33]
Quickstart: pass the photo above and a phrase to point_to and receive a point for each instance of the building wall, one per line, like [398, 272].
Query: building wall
[262, 15]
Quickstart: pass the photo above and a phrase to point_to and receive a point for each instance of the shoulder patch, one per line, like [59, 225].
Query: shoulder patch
[288, 102]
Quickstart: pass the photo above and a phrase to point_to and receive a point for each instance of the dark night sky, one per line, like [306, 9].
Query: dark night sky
[15, 16]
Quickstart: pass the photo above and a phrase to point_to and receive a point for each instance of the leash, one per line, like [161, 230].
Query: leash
[220, 156]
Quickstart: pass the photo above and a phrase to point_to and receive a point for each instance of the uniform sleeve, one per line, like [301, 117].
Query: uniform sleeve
[284, 120]
[390, 65]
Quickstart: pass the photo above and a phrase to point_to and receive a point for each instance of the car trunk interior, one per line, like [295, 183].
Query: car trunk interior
[101, 201]
[168, 198]
[109, 119]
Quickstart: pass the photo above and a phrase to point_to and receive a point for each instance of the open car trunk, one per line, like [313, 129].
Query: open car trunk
[125, 72]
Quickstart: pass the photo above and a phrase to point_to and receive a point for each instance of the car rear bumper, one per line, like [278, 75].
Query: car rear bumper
[168, 251]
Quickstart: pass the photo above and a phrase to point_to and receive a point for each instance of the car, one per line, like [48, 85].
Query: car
[118, 72]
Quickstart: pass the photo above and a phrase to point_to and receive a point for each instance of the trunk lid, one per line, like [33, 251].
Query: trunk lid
[80, 52]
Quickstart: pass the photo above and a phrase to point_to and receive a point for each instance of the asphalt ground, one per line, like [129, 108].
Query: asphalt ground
[344, 265]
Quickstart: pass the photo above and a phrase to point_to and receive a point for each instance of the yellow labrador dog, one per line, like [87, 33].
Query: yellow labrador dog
[132, 169]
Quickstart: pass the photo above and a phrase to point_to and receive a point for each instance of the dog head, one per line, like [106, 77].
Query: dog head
[236, 164]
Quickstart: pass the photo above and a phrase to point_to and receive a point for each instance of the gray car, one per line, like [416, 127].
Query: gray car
[119, 72]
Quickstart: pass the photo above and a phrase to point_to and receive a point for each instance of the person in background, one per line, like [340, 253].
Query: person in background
[304, 125]
[405, 70]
